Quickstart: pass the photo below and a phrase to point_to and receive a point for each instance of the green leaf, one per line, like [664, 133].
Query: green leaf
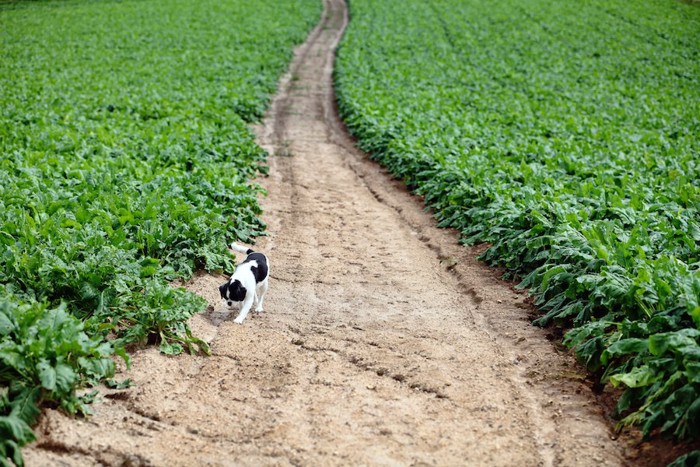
[638, 377]
[691, 459]
[47, 375]
[13, 427]
[24, 406]
[170, 348]
[114, 384]
[66, 377]
[692, 371]
[660, 343]
[624, 347]
[6, 324]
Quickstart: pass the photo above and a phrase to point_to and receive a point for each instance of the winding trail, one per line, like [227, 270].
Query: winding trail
[383, 342]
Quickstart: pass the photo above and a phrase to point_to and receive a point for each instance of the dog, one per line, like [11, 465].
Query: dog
[248, 284]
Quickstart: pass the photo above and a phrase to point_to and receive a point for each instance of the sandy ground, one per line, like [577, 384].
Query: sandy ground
[383, 341]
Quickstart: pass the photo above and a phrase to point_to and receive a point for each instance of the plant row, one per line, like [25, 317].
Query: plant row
[565, 136]
[125, 163]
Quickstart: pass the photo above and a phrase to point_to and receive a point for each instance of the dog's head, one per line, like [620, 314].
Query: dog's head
[232, 292]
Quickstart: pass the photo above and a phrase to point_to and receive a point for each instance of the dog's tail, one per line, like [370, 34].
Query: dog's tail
[241, 249]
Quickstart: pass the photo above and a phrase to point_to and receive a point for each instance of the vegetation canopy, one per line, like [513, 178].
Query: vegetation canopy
[565, 135]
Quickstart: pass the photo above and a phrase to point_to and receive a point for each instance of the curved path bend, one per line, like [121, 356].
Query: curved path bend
[383, 342]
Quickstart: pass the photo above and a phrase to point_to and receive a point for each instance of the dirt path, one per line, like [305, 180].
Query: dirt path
[383, 341]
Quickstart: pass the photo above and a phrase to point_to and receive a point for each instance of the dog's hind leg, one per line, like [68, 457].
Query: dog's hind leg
[262, 289]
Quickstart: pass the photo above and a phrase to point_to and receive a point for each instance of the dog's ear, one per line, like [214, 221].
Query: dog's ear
[222, 289]
[236, 291]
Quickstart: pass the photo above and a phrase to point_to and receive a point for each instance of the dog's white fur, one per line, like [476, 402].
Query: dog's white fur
[255, 293]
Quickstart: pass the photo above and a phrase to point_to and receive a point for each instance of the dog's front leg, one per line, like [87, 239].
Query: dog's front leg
[245, 308]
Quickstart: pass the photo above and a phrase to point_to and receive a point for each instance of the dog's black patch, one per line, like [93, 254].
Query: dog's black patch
[259, 272]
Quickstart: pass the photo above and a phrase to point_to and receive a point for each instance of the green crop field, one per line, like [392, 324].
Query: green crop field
[125, 160]
[566, 135]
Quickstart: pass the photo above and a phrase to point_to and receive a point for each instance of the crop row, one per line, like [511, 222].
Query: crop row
[125, 163]
[565, 135]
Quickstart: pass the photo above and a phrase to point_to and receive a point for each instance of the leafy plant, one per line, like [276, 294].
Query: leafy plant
[45, 356]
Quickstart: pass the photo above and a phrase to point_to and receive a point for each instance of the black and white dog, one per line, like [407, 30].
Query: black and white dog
[248, 283]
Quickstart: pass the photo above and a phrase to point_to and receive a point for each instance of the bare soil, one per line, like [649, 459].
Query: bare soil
[383, 341]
